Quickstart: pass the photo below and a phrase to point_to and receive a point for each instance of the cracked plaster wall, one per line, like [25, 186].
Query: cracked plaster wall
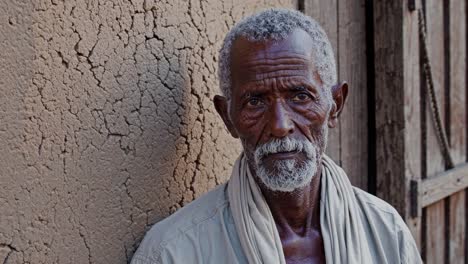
[107, 124]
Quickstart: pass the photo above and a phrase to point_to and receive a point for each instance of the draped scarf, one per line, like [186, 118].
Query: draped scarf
[341, 224]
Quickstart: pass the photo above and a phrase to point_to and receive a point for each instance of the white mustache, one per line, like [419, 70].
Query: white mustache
[284, 145]
[286, 175]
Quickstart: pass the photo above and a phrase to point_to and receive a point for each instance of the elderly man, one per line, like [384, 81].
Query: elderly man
[286, 201]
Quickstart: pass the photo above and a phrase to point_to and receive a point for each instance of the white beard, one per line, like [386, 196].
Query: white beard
[287, 175]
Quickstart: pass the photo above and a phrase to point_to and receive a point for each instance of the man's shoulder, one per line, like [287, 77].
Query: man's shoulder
[385, 222]
[176, 228]
[373, 200]
[193, 213]
[379, 209]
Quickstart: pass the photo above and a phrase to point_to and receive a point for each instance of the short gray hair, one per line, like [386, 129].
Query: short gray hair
[277, 24]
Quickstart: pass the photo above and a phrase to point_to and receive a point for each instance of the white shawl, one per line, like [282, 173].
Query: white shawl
[341, 224]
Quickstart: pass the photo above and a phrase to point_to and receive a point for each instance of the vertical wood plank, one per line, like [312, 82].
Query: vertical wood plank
[435, 213]
[353, 69]
[435, 43]
[325, 13]
[398, 110]
[398, 107]
[435, 229]
[412, 115]
[393, 75]
[457, 228]
[457, 81]
[389, 93]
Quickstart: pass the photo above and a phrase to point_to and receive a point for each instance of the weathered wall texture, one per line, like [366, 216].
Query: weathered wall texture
[107, 124]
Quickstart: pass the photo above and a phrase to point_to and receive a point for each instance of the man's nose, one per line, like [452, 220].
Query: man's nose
[280, 121]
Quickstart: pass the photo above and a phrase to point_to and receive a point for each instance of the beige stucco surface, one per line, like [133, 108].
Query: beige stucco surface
[107, 124]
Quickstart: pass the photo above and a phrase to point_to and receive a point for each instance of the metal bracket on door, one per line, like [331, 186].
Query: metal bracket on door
[414, 193]
[412, 5]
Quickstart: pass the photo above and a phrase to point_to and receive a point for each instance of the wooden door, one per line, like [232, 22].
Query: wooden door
[411, 171]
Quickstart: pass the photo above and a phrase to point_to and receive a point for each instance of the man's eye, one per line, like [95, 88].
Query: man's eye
[301, 97]
[254, 102]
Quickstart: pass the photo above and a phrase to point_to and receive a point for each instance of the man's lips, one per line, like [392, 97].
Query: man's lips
[282, 155]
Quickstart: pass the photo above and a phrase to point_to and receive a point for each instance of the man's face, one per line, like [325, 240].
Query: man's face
[279, 108]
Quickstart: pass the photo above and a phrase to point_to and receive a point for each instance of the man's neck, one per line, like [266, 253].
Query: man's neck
[297, 211]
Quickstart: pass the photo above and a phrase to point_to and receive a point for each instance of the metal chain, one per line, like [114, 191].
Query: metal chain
[426, 68]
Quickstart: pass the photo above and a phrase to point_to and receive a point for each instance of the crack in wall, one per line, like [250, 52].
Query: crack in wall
[10, 250]
[117, 126]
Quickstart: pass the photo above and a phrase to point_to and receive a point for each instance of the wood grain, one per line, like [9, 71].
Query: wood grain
[457, 228]
[435, 213]
[444, 185]
[412, 115]
[397, 106]
[458, 80]
[435, 224]
[458, 126]
[353, 69]
[389, 110]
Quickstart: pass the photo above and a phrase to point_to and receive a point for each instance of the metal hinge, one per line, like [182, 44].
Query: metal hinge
[412, 5]
[414, 193]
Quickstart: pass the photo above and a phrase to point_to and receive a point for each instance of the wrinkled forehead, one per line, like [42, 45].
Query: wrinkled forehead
[290, 57]
[298, 42]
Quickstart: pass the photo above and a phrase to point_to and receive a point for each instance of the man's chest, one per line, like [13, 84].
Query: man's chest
[302, 250]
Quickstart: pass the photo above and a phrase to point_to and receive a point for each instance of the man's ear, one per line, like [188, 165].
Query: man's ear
[221, 106]
[339, 94]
